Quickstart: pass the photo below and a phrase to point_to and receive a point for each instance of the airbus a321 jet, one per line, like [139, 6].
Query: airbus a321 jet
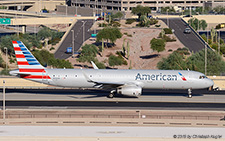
[124, 82]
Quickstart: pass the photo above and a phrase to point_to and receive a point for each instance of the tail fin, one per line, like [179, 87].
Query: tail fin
[25, 60]
[29, 67]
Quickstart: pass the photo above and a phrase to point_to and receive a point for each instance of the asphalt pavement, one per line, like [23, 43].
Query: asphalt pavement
[97, 99]
[78, 38]
[191, 40]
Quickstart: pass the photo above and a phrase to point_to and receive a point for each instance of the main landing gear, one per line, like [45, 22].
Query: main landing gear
[111, 94]
[189, 93]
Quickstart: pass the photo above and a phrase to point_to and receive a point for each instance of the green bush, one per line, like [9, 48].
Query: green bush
[129, 35]
[116, 24]
[157, 25]
[153, 21]
[222, 48]
[168, 30]
[157, 44]
[100, 65]
[102, 25]
[130, 21]
[214, 46]
[116, 60]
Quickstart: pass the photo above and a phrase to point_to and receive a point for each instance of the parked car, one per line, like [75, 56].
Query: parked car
[187, 30]
[187, 16]
[99, 19]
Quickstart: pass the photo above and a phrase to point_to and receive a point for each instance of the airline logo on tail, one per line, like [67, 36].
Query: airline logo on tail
[182, 77]
[27, 63]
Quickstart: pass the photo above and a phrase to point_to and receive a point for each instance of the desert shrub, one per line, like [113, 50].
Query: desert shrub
[157, 44]
[153, 21]
[168, 39]
[116, 24]
[102, 25]
[116, 60]
[167, 30]
[130, 21]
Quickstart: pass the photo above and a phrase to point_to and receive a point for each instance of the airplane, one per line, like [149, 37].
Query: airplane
[124, 82]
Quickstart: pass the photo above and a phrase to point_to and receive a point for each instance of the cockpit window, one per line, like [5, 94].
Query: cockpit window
[202, 77]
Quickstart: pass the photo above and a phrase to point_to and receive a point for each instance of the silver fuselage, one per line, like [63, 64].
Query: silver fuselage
[147, 79]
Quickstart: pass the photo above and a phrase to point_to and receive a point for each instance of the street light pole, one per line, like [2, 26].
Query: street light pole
[3, 101]
[76, 7]
[167, 18]
[72, 32]
[205, 59]
[84, 30]
[66, 10]
[6, 58]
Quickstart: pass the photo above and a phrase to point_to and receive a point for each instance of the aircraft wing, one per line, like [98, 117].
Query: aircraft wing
[107, 84]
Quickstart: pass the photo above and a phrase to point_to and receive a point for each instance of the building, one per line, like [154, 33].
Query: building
[127, 5]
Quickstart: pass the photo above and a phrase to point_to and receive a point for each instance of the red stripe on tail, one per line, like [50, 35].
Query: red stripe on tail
[17, 49]
[22, 63]
[20, 56]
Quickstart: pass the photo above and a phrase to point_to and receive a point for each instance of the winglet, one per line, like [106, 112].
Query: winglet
[94, 66]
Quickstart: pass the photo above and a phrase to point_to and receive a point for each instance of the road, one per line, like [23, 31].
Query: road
[190, 41]
[78, 38]
[151, 99]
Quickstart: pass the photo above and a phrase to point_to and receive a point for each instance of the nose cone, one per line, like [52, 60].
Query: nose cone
[210, 83]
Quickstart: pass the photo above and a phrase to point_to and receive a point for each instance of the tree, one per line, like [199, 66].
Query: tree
[203, 24]
[169, 9]
[47, 59]
[174, 61]
[144, 21]
[195, 62]
[157, 45]
[44, 33]
[109, 33]
[88, 53]
[215, 63]
[140, 10]
[118, 15]
[197, 24]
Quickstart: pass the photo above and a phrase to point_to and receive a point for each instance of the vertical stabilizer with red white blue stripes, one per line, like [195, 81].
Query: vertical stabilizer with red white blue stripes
[28, 65]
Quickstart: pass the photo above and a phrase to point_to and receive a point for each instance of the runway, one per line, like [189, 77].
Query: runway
[97, 99]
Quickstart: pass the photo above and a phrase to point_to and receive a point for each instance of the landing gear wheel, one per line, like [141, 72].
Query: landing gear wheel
[189, 93]
[111, 95]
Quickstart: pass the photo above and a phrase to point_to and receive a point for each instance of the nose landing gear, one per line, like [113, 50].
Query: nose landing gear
[189, 93]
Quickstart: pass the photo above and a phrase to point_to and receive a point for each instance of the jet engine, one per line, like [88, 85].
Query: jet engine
[130, 90]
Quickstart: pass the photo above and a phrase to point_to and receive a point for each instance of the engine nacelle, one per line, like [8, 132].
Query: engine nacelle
[130, 90]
